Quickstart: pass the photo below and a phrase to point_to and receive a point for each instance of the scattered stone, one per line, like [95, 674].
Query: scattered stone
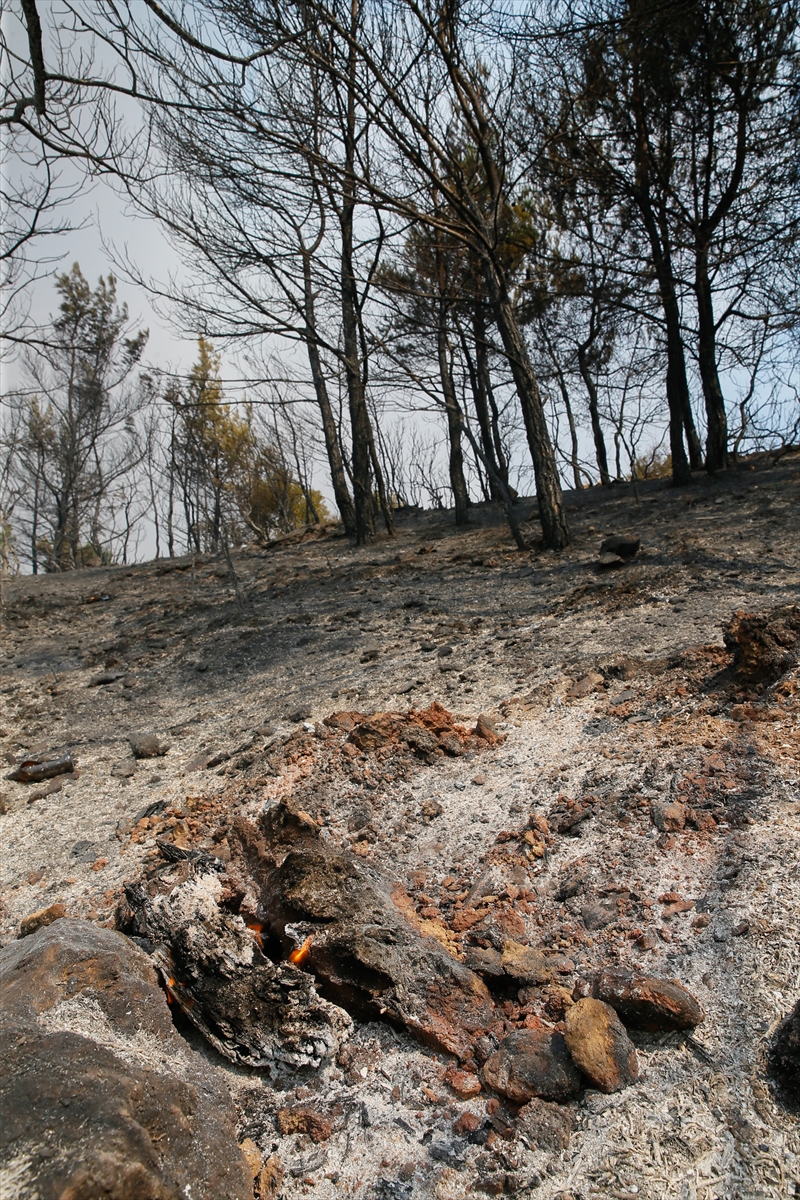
[532, 1062]
[546, 1126]
[124, 769]
[622, 546]
[270, 1178]
[304, 1120]
[100, 1095]
[464, 1083]
[40, 918]
[485, 728]
[647, 1003]
[445, 651]
[148, 745]
[598, 1043]
[783, 1060]
[466, 1124]
[766, 645]
[253, 1156]
[370, 654]
[105, 677]
[585, 686]
[525, 965]
[607, 561]
[668, 816]
[599, 913]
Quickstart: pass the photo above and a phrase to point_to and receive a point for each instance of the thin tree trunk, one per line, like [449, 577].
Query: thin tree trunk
[555, 528]
[716, 416]
[341, 492]
[594, 416]
[477, 385]
[454, 425]
[359, 413]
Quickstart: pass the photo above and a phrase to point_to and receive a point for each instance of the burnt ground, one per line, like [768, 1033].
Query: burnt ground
[614, 691]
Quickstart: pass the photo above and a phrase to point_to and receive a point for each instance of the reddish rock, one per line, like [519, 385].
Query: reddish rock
[647, 1003]
[668, 816]
[524, 964]
[304, 1120]
[464, 1083]
[486, 729]
[532, 1062]
[468, 1122]
[40, 918]
[599, 1045]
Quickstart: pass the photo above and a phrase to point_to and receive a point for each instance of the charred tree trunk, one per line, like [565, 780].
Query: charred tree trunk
[594, 415]
[555, 528]
[341, 491]
[716, 416]
[454, 426]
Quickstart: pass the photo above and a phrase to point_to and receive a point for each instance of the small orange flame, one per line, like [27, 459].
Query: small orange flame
[256, 928]
[299, 955]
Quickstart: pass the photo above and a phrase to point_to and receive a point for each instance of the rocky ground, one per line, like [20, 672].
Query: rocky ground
[630, 799]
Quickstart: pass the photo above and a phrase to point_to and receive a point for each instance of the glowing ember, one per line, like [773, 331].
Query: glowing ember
[256, 929]
[299, 955]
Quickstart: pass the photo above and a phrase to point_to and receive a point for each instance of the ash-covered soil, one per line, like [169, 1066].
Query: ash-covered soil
[614, 695]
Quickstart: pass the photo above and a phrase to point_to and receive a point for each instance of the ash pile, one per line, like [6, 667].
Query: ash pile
[312, 966]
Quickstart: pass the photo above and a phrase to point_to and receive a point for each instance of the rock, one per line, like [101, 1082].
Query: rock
[532, 1062]
[40, 918]
[766, 645]
[304, 1120]
[467, 1123]
[646, 1003]
[105, 677]
[270, 1178]
[600, 1046]
[370, 654]
[573, 880]
[367, 943]
[783, 1059]
[485, 728]
[464, 1083]
[668, 816]
[546, 1126]
[451, 744]
[254, 1011]
[599, 913]
[147, 745]
[253, 1156]
[100, 1095]
[125, 769]
[624, 547]
[606, 561]
[585, 686]
[524, 964]
[487, 963]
